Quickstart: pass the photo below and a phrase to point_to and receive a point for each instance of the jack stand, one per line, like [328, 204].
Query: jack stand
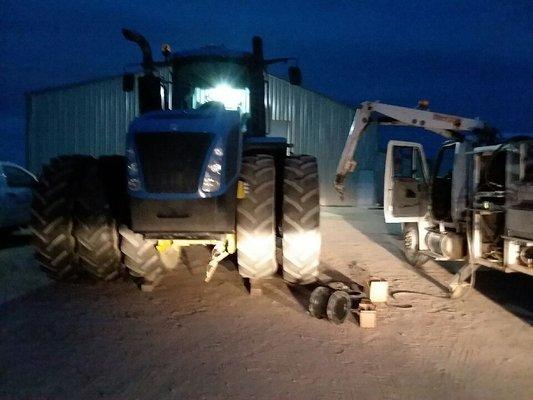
[213, 264]
[458, 285]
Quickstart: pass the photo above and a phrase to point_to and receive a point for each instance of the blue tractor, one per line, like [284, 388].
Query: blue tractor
[199, 169]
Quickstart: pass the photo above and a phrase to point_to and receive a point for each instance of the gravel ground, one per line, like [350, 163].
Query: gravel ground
[188, 339]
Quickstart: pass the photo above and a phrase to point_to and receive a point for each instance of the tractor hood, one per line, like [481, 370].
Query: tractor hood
[184, 154]
[212, 118]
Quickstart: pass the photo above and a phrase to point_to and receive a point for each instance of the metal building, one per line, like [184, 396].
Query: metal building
[93, 118]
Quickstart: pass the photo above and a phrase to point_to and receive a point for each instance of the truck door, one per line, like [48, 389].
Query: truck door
[444, 180]
[406, 186]
[17, 194]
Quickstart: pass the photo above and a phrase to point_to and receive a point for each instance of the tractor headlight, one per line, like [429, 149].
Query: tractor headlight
[213, 173]
[211, 182]
[134, 183]
[133, 169]
[215, 167]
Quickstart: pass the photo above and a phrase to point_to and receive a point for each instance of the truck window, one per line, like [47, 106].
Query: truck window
[445, 162]
[441, 193]
[16, 177]
[408, 163]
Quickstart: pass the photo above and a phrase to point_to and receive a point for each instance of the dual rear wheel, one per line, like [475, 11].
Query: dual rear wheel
[256, 219]
[74, 231]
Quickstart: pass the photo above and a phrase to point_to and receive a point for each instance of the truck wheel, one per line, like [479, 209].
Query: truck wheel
[141, 257]
[301, 214]
[51, 223]
[410, 246]
[256, 221]
[95, 229]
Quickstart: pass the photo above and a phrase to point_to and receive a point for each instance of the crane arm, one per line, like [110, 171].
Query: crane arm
[346, 163]
[448, 126]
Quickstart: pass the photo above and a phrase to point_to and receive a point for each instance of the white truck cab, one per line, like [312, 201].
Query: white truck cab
[15, 195]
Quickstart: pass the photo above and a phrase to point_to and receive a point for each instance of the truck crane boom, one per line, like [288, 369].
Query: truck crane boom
[368, 112]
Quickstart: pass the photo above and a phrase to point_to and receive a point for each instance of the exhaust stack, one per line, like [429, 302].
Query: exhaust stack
[151, 97]
[140, 40]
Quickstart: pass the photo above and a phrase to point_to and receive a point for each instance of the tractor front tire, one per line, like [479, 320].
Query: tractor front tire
[95, 229]
[142, 259]
[256, 221]
[301, 218]
[52, 212]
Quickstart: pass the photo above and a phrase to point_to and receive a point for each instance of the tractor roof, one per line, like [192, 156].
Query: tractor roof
[212, 51]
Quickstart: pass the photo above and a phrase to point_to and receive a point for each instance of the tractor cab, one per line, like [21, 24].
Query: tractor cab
[236, 79]
[216, 74]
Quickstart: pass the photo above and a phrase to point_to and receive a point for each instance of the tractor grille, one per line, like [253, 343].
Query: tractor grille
[171, 162]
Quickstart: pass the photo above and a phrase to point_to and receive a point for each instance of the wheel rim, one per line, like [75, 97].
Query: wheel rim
[339, 305]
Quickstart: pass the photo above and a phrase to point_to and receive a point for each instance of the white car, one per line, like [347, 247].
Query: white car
[15, 195]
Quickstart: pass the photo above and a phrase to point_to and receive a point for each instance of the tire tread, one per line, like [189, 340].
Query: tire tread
[301, 216]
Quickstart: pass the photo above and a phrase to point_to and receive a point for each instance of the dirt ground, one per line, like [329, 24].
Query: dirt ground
[193, 340]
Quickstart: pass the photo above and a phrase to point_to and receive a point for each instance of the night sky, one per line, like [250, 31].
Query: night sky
[472, 58]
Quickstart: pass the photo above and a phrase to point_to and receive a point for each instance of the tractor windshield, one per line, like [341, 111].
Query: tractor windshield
[197, 83]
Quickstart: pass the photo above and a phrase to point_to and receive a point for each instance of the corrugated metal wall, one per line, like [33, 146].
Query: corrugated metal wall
[92, 118]
[318, 126]
[89, 118]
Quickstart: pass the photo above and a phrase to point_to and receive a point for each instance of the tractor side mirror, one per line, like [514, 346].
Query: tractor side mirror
[128, 82]
[295, 76]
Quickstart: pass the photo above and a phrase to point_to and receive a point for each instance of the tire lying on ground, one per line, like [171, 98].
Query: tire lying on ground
[95, 229]
[52, 209]
[301, 215]
[410, 246]
[256, 236]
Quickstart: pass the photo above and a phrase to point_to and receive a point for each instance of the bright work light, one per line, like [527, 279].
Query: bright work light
[232, 98]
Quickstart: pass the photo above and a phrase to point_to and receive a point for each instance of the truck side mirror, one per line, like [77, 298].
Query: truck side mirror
[128, 82]
[295, 76]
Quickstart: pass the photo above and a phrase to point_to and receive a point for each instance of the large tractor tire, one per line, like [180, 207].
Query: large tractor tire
[95, 229]
[410, 246]
[301, 217]
[52, 212]
[256, 221]
[142, 259]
